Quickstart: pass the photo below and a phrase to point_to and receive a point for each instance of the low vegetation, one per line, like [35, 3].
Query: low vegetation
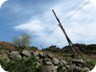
[21, 65]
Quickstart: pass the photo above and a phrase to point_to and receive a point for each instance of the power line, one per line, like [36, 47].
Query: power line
[76, 11]
[74, 6]
[69, 16]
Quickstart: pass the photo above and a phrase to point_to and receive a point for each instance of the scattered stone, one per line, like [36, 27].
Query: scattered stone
[50, 56]
[37, 58]
[5, 57]
[35, 53]
[55, 61]
[51, 64]
[50, 68]
[85, 69]
[25, 58]
[78, 61]
[63, 62]
[42, 55]
[63, 69]
[26, 53]
[47, 61]
[41, 61]
[38, 64]
[14, 55]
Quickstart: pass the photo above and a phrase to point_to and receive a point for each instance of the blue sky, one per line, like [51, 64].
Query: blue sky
[36, 18]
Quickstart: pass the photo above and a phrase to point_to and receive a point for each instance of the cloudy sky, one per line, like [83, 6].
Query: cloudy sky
[36, 18]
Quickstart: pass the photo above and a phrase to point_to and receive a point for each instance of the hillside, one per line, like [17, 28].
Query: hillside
[51, 59]
[86, 49]
[6, 46]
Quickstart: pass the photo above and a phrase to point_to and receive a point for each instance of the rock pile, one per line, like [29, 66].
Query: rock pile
[51, 63]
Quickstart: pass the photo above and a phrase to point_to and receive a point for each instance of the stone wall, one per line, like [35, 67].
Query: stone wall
[50, 63]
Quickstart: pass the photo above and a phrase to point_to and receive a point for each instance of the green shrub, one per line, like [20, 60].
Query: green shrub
[20, 65]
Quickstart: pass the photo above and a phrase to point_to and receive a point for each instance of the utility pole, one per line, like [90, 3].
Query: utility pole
[74, 49]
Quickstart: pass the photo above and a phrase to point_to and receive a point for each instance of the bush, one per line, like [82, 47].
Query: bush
[20, 65]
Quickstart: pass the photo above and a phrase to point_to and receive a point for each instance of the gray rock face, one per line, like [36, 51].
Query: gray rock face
[15, 55]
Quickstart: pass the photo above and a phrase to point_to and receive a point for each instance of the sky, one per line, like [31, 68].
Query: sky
[35, 17]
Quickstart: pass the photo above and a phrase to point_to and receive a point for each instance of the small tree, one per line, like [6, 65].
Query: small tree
[22, 41]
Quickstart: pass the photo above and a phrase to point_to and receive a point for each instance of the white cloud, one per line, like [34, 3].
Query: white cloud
[80, 28]
[93, 1]
[34, 26]
[2, 2]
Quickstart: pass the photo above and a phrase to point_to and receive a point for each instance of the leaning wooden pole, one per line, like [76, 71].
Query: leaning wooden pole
[74, 49]
[69, 41]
